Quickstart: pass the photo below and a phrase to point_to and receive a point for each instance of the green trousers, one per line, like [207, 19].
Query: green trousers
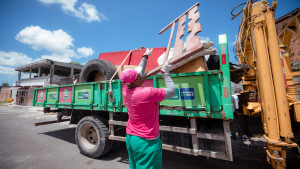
[143, 153]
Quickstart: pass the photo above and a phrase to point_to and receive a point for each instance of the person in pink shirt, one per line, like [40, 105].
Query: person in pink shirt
[143, 141]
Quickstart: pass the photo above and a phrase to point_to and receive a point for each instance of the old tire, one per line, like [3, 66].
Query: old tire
[92, 136]
[97, 70]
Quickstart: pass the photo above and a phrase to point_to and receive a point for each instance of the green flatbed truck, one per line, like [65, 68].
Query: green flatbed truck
[195, 121]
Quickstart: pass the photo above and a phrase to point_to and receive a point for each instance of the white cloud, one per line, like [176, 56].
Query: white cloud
[85, 52]
[67, 5]
[56, 41]
[13, 59]
[7, 70]
[83, 63]
[10, 60]
[85, 11]
[89, 13]
[204, 39]
[56, 57]
[234, 42]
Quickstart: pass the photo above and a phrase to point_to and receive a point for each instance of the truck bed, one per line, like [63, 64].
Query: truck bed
[198, 94]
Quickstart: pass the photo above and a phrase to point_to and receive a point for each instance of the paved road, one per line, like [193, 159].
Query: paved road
[52, 146]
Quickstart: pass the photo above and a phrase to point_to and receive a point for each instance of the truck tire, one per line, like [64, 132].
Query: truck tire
[92, 136]
[59, 117]
[97, 70]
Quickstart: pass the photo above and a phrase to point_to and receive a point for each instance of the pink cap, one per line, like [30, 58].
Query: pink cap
[128, 76]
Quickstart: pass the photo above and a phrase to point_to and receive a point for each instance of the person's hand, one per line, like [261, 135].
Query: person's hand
[166, 68]
[148, 52]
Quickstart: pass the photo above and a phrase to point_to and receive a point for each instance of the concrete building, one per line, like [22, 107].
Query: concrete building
[41, 74]
[5, 93]
[291, 21]
[9, 92]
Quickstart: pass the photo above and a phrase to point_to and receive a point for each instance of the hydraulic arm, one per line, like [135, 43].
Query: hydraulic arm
[257, 47]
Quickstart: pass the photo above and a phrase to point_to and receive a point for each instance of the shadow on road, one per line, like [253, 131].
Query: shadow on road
[67, 134]
[118, 151]
[244, 156]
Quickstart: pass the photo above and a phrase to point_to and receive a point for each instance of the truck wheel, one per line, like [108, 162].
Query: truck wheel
[97, 70]
[92, 136]
[59, 117]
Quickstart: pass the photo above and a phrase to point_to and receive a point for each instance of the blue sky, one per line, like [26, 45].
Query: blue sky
[79, 30]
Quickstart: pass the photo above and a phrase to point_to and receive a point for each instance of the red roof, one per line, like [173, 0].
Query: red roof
[135, 57]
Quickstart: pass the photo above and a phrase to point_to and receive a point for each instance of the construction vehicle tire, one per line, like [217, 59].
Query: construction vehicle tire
[92, 136]
[97, 70]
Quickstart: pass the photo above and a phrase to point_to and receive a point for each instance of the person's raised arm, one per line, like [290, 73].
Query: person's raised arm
[170, 89]
[142, 66]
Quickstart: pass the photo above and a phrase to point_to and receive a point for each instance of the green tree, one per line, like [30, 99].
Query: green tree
[76, 63]
[5, 84]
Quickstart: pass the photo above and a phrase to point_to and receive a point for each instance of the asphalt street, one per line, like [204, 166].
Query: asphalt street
[26, 146]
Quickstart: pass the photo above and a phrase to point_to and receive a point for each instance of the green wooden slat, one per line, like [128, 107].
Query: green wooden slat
[207, 94]
[204, 105]
[189, 92]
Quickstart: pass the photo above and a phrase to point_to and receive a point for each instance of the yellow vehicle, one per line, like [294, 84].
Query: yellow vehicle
[257, 48]
[9, 100]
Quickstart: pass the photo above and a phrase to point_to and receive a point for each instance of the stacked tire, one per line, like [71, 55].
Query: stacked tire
[97, 70]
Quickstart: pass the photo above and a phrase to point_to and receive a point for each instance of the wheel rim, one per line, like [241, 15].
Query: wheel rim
[89, 136]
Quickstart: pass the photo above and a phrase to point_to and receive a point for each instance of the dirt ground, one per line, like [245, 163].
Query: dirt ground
[23, 145]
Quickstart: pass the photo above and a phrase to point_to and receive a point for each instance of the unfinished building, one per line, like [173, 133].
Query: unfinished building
[41, 74]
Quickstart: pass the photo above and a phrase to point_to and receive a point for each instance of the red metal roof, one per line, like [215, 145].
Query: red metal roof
[135, 57]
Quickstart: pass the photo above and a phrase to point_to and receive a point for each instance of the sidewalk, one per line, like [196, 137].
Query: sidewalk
[32, 108]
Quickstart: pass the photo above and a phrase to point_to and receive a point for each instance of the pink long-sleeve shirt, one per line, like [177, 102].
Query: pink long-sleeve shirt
[143, 110]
